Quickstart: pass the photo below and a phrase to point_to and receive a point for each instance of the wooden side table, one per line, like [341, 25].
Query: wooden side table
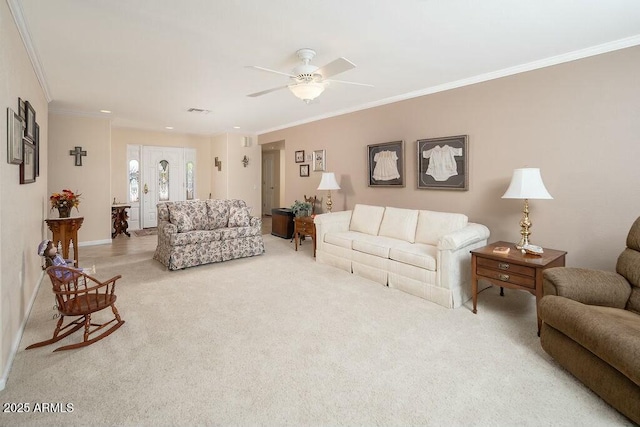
[304, 226]
[514, 270]
[65, 231]
[120, 217]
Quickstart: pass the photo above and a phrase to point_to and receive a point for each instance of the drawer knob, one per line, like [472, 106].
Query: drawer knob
[503, 277]
[503, 266]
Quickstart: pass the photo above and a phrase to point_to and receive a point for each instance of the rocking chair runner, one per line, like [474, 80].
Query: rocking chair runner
[78, 294]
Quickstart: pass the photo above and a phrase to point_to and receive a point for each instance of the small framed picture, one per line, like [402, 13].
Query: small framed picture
[15, 129]
[28, 165]
[319, 161]
[37, 144]
[386, 164]
[304, 170]
[443, 163]
[22, 109]
[300, 156]
[30, 131]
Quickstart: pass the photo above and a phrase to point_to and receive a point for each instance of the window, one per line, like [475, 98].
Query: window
[163, 181]
[189, 181]
[134, 181]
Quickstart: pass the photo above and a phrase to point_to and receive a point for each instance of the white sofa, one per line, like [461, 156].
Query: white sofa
[424, 253]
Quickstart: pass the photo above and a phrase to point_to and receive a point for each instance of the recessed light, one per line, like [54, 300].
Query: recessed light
[169, 127]
[106, 111]
[236, 127]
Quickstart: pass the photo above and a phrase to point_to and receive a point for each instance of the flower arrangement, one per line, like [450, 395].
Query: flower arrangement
[65, 200]
[301, 208]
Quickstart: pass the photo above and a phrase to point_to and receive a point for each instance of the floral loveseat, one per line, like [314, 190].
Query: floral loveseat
[198, 232]
[423, 253]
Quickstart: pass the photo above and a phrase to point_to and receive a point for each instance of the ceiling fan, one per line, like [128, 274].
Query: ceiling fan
[309, 81]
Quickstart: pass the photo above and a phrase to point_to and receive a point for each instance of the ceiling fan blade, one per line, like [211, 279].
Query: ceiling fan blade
[269, 70]
[338, 66]
[346, 82]
[264, 92]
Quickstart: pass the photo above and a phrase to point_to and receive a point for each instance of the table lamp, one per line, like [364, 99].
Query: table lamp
[526, 184]
[328, 182]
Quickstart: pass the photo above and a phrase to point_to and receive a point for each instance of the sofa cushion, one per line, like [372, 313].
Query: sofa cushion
[343, 239]
[195, 210]
[180, 218]
[375, 245]
[239, 217]
[433, 225]
[218, 213]
[366, 219]
[609, 333]
[417, 254]
[399, 224]
[195, 237]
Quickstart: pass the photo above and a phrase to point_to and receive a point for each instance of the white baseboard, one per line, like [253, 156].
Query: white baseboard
[18, 337]
[95, 242]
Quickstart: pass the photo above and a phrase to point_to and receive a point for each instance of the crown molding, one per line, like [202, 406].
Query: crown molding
[78, 113]
[535, 65]
[18, 17]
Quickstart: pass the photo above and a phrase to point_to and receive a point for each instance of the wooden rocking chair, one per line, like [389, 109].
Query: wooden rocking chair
[78, 294]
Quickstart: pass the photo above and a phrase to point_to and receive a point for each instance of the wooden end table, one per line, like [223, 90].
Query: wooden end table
[65, 232]
[304, 226]
[119, 217]
[514, 270]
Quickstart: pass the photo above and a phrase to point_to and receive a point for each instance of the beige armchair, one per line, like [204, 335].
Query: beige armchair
[591, 326]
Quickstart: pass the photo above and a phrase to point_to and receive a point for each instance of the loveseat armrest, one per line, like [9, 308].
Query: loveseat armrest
[588, 286]
[255, 221]
[166, 229]
[330, 223]
[470, 234]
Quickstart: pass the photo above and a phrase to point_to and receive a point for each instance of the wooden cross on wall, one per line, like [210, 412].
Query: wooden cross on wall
[78, 152]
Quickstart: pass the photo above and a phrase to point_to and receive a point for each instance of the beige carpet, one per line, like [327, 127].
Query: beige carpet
[281, 340]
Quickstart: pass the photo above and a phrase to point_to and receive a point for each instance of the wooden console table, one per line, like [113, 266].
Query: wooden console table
[120, 217]
[65, 231]
[304, 226]
[514, 270]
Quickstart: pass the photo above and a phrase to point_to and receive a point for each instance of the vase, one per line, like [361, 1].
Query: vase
[64, 211]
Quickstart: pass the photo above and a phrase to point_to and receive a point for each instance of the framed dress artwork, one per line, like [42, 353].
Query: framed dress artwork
[443, 163]
[386, 164]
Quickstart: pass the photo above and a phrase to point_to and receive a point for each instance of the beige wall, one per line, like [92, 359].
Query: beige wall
[234, 181]
[23, 207]
[577, 121]
[92, 179]
[219, 178]
[121, 137]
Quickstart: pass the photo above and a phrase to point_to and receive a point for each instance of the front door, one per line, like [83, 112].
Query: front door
[163, 180]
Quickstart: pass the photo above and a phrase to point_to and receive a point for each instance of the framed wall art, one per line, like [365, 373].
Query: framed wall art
[300, 156]
[22, 109]
[386, 164]
[443, 163]
[304, 170]
[37, 144]
[15, 126]
[30, 122]
[28, 165]
[319, 161]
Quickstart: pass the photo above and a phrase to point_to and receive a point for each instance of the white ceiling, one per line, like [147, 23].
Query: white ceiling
[148, 61]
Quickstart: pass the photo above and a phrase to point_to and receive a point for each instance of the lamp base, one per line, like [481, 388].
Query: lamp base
[525, 225]
[329, 202]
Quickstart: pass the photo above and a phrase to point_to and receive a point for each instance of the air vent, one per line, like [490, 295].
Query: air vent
[198, 110]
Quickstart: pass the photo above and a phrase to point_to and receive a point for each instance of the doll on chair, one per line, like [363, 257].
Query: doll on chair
[49, 251]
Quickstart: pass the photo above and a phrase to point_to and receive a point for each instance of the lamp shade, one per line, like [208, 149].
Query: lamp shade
[328, 182]
[526, 183]
[307, 91]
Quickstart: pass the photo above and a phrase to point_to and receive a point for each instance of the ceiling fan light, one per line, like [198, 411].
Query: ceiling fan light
[307, 91]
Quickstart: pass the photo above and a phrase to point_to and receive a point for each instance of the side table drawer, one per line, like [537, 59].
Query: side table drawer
[507, 277]
[506, 266]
